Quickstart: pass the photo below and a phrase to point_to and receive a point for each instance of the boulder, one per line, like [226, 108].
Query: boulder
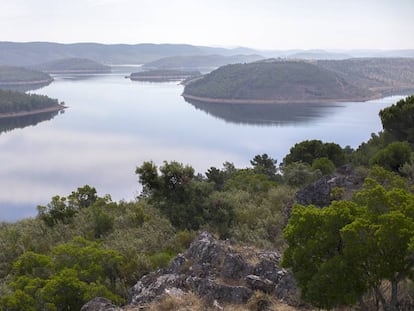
[99, 304]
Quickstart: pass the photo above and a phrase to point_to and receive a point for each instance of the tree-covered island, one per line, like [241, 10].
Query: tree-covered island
[275, 81]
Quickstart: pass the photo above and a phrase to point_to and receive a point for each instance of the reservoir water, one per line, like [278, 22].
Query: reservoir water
[113, 124]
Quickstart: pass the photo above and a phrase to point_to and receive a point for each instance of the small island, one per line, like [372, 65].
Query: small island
[17, 77]
[73, 65]
[163, 75]
[15, 104]
[274, 82]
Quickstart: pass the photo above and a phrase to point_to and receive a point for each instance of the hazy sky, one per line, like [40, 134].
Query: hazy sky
[266, 24]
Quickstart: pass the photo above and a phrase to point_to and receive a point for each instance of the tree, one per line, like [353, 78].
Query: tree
[263, 164]
[176, 192]
[399, 119]
[392, 157]
[324, 165]
[309, 150]
[341, 252]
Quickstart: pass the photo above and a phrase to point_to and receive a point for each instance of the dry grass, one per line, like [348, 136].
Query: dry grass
[191, 302]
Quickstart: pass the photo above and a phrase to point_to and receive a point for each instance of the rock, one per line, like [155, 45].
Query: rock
[210, 290]
[152, 286]
[268, 266]
[205, 252]
[286, 289]
[234, 267]
[257, 283]
[320, 194]
[212, 270]
[100, 304]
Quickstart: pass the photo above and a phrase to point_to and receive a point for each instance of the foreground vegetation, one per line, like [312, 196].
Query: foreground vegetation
[85, 245]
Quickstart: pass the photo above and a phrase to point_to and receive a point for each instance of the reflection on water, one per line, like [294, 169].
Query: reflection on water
[265, 114]
[9, 124]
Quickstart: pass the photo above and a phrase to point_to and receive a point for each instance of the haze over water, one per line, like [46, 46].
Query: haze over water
[113, 124]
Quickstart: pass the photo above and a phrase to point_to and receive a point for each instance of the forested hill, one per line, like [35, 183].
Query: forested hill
[16, 75]
[274, 81]
[73, 65]
[385, 75]
[16, 103]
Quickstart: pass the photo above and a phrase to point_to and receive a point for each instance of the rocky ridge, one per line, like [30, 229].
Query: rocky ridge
[219, 272]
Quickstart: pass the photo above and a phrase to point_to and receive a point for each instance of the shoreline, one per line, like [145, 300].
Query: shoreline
[276, 101]
[32, 112]
[26, 82]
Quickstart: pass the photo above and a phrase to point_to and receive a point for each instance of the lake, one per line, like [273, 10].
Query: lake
[113, 124]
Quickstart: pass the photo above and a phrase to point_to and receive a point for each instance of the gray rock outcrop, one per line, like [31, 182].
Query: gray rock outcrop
[217, 272]
[100, 304]
[320, 193]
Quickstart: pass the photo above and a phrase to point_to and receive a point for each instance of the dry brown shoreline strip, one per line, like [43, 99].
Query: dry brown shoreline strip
[275, 101]
[31, 112]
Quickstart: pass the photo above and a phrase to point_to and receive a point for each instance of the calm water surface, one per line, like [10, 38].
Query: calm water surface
[114, 124]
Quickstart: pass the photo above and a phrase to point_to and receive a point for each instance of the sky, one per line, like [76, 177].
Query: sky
[260, 24]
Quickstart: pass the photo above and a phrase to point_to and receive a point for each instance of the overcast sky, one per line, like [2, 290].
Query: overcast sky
[264, 24]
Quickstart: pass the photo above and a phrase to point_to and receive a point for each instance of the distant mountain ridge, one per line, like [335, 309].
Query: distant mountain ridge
[33, 53]
[199, 62]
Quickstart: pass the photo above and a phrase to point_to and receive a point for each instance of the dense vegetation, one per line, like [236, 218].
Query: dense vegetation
[13, 102]
[75, 65]
[290, 81]
[85, 245]
[384, 75]
[10, 75]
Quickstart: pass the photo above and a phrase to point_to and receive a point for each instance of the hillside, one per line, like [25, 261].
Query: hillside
[384, 75]
[33, 53]
[163, 75]
[274, 81]
[16, 104]
[16, 75]
[200, 62]
[73, 65]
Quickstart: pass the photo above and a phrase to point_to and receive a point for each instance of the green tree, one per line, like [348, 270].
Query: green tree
[392, 157]
[341, 252]
[263, 164]
[309, 150]
[324, 165]
[399, 119]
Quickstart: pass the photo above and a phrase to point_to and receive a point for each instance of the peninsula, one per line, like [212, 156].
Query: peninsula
[274, 82]
[16, 104]
[162, 75]
[73, 65]
[11, 77]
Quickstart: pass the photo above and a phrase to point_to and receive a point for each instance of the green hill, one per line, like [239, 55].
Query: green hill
[16, 104]
[274, 81]
[384, 75]
[16, 75]
[73, 65]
